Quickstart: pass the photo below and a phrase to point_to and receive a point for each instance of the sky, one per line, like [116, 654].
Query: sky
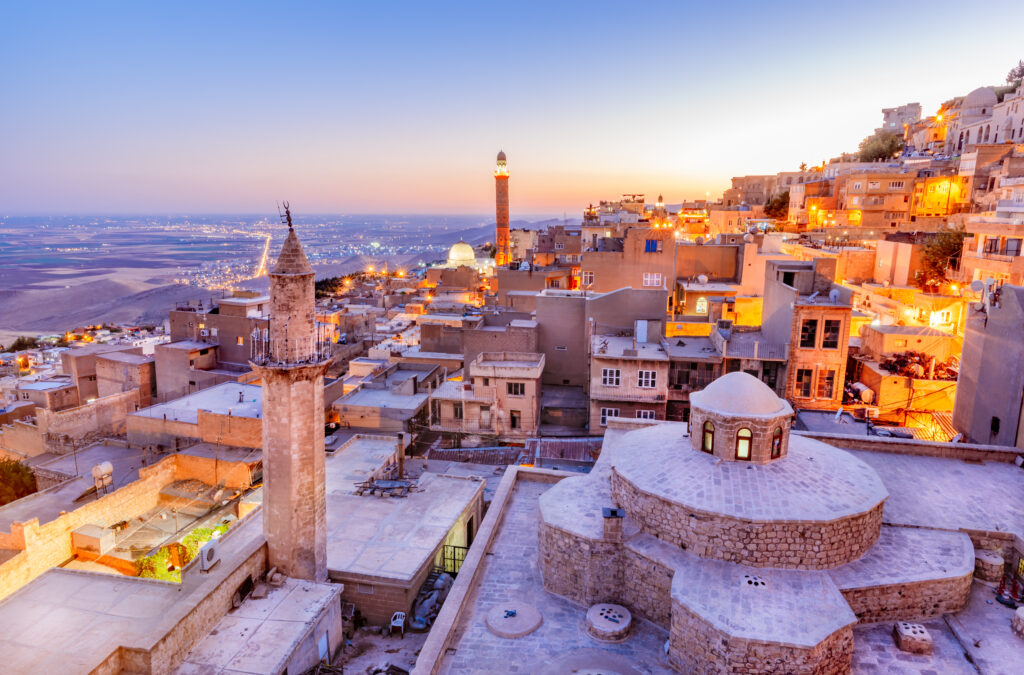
[390, 107]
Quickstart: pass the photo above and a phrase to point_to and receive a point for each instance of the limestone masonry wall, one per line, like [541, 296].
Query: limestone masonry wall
[699, 648]
[792, 544]
[905, 602]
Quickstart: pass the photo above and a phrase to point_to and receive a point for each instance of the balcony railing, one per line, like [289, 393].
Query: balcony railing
[986, 255]
[626, 392]
[765, 351]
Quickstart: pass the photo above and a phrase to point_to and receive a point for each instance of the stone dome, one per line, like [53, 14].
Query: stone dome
[980, 97]
[501, 155]
[461, 253]
[739, 393]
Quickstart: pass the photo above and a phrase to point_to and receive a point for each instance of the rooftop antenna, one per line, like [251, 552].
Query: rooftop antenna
[285, 217]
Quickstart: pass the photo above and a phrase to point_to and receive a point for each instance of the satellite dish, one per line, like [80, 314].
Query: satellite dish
[989, 281]
[977, 286]
[833, 296]
[749, 238]
[702, 279]
[752, 229]
[699, 241]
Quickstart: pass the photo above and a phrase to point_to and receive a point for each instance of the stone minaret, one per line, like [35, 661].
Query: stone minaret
[291, 365]
[501, 200]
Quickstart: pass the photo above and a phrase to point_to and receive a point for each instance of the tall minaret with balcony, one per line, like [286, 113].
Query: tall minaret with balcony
[501, 200]
[291, 362]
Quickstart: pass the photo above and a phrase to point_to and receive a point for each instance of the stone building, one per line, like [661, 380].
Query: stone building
[628, 377]
[756, 549]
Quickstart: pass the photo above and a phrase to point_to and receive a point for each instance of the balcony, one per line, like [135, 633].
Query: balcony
[627, 393]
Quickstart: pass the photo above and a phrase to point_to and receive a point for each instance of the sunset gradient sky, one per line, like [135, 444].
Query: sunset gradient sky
[385, 107]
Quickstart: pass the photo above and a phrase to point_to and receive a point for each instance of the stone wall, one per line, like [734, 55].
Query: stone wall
[243, 432]
[794, 545]
[20, 440]
[906, 446]
[647, 588]
[104, 416]
[911, 601]
[583, 570]
[698, 647]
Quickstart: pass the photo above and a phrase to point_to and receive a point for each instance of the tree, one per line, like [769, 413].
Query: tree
[880, 145]
[941, 252]
[16, 481]
[803, 166]
[1016, 73]
[22, 343]
[778, 206]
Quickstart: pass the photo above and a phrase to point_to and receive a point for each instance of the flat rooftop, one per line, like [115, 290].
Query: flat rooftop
[45, 385]
[949, 493]
[687, 347]
[260, 636]
[393, 537]
[920, 331]
[615, 347]
[244, 301]
[127, 357]
[371, 397]
[240, 400]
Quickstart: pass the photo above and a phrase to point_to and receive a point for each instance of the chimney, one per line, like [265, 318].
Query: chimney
[613, 524]
[400, 447]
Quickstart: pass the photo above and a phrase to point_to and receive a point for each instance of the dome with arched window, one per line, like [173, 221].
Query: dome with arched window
[739, 418]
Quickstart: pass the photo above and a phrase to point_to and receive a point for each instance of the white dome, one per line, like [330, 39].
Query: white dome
[461, 254]
[739, 393]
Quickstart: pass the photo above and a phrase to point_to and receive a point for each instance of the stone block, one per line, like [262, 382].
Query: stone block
[1017, 622]
[912, 637]
[988, 565]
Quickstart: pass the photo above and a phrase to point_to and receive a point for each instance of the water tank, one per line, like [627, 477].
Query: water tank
[102, 470]
[864, 392]
[702, 279]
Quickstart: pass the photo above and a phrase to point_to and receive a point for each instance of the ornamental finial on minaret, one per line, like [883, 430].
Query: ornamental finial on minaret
[502, 168]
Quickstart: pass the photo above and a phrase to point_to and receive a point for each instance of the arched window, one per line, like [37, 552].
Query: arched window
[777, 443]
[987, 128]
[709, 437]
[743, 437]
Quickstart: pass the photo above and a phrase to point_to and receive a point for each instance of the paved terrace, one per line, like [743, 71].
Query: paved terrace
[510, 574]
[950, 493]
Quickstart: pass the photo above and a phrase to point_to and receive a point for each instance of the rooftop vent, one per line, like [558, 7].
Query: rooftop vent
[753, 581]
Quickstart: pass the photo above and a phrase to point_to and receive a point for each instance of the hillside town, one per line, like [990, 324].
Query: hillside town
[777, 431]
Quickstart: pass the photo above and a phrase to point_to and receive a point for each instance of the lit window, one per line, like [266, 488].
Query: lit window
[743, 437]
[777, 443]
[611, 377]
[709, 437]
[239, 341]
[702, 305]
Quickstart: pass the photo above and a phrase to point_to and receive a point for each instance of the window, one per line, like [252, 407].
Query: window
[1013, 247]
[777, 443]
[826, 384]
[559, 246]
[702, 305]
[809, 333]
[708, 444]
[645, 415]
[652, 246]
[830, 334]
[606, 413]
[896, 185]
[516, 388]
[873, 185]
[743, 437]
[588, 278]
[611, 377]
[803, 382]
[652, 279]
[646, 379]
[901, 343]
[554, 283]
[457, 411]
[994, 426]
[857, 186]
[515, 419]
[239, 341]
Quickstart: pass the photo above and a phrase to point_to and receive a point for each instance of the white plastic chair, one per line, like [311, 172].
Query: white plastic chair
[397, 621]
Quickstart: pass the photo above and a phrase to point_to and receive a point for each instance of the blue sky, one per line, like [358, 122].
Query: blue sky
[400, 107]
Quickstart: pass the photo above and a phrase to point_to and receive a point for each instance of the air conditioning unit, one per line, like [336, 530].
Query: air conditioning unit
[208, 556]
[204, 333]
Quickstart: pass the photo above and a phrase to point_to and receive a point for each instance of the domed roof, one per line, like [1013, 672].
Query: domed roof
[461, 253]
[982, 96]
[501, 155]
[740, 394]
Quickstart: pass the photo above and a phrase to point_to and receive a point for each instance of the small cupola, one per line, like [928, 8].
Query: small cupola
[739, 418]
